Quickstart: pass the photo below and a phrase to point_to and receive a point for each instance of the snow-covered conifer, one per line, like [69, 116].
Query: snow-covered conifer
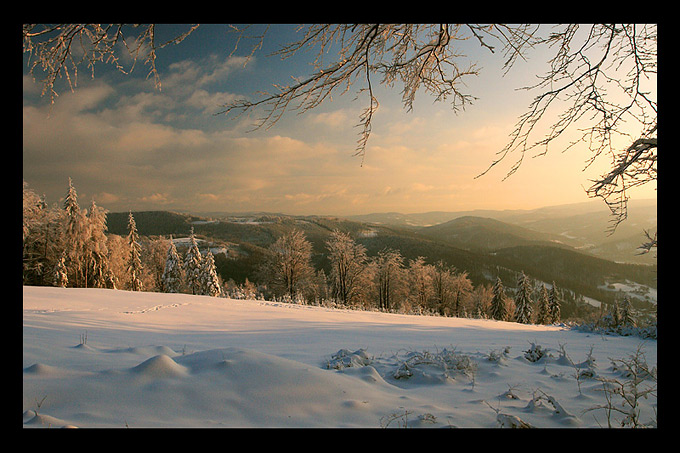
[192, 266]
[96, 249]
[210, 282]
[554, 304]
[627, 317]
[523, 307]
[172, 274]
[543, 309]
[134, 263]
[75, 236]
[498, 303]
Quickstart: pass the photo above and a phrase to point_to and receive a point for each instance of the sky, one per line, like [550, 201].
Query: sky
[129, 146]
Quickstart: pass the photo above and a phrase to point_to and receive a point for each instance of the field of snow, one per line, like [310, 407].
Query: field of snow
[105, 358]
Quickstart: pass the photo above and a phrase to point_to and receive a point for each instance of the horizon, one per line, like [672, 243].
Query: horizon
[130, 147]
[597, 206]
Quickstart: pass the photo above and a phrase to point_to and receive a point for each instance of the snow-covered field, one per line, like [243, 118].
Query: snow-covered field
[105, 358]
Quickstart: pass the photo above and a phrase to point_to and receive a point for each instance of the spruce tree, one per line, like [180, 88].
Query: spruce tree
[523, 307]
[210, 281]
[554, 305]
[192, 266]
[498, 307]
[172, 274]
[543, 312]
[627, 317]
[97, 251]
[134, 263]
[74, 236]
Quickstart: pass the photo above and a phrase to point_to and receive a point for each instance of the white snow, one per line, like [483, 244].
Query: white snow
[112, 358]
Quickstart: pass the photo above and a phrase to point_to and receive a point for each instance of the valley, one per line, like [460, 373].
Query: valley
[566, 245]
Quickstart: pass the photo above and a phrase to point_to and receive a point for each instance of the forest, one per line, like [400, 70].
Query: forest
[317, 261]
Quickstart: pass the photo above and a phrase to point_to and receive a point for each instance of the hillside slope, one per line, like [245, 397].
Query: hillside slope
[486, 235]
[153, 360]
[514, 248]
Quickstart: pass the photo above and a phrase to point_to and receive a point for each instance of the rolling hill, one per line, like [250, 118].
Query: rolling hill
[582, 226]
[484, 248]
[486, 235]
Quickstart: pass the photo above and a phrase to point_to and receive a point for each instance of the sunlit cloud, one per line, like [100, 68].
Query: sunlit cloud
[131, 146]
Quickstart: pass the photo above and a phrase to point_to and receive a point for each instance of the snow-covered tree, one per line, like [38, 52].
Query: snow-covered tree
[60, 274]
[461, 291]
[627, 317]
[390, 278]
[554, 304]
[523, 306]
[288, 270]
[210, 282]
[192, 265]
[349, 265]
[420, 282]
[441, 286]
[75, 237]
[498, 307]
[481, 300]
[96, 247]
[172, 275]
[42, 238]
[153, 261]
[543, 308]
[134, 263]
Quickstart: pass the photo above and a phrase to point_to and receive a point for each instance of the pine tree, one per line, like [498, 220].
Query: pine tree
[134, 263]
[498, 307]
[192, 266]
[172, 274]
[554, 305]
[523, 307]
[210, 281]
[543, 312]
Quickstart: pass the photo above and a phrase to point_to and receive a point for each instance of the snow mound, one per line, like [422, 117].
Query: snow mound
[42, 369]
[160, 366]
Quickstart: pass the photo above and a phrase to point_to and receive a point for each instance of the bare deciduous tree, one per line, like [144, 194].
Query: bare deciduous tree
[59, 49]
[600, 79]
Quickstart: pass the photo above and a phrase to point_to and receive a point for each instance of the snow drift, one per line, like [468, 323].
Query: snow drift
[106, 358]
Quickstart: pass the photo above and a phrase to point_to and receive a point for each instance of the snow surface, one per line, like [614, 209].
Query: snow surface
[112, 358]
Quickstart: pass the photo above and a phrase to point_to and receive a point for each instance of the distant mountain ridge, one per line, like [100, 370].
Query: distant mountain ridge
[485, 248]
[487, 235]
[583, 226]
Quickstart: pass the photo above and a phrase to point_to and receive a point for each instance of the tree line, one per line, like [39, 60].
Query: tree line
[69, 246]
